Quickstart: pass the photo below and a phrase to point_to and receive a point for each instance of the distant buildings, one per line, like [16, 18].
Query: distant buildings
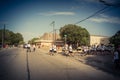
[47, 39]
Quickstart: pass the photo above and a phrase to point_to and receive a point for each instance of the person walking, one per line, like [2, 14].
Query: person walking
[28, 47]
[116, 59]
[70, 51]
[34, 47]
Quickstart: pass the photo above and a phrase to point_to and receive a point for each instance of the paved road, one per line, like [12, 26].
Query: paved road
[16, 64]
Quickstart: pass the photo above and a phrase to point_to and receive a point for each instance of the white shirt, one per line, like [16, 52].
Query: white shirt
[70, 48]
[33, 46]
[28, 45]
[116, 55]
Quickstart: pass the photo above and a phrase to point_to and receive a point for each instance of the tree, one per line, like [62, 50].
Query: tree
[11, 38]
[32, 41]
[115, 39]
[75, 34]
[16, 38]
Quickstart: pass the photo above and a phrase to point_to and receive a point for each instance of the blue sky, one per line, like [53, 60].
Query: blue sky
[32, 18]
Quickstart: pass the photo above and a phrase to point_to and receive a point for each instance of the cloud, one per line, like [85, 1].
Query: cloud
[99, 20]
[105, 18]
[57, 13]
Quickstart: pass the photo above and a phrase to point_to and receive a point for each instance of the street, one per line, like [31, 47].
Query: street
[17, 64]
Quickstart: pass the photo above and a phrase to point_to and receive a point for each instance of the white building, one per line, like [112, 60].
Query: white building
[97, 40]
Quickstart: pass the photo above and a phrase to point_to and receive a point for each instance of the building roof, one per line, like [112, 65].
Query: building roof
[100, 36]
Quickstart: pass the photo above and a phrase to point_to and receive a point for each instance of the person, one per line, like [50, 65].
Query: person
[34, 48]
[70, 50]
[54, 48]
[28, 47]
[116, 59]
[51, 50]
[66, 49]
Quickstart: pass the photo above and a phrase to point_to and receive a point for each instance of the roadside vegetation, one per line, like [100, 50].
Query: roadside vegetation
[10, 38]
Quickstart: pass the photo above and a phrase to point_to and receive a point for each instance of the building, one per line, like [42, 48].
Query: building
[97, 40]
[48, 39]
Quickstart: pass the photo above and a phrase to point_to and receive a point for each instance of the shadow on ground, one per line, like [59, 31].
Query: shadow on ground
[103, 63]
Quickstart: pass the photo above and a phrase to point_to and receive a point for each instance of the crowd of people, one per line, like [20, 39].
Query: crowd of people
[91, 50]
[68, 50]
[97, 50]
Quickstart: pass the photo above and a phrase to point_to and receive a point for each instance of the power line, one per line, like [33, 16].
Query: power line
[101, 10]
[92, 15]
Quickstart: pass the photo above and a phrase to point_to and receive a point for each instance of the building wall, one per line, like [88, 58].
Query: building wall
[50, 36]
[97, 40]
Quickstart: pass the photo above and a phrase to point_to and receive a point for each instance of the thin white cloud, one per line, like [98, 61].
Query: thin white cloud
[57, 13]
[99, 20]
[104, 18]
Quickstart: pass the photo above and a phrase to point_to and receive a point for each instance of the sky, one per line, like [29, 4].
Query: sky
[32, 18]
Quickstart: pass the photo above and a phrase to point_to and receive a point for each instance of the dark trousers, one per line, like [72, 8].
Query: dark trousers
[116, 62]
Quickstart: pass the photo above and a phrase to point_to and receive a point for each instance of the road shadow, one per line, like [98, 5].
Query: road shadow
[103, 63]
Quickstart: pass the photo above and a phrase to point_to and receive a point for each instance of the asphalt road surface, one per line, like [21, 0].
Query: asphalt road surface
[17, 64]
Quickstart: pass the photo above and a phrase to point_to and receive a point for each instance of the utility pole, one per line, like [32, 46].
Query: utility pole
[65, 38]
[3, 36]
[53, 25]
[53, 32]
[55, 36]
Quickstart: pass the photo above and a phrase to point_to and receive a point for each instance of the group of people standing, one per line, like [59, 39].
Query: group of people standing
[67, 49]
[30, 48]
[53, 49]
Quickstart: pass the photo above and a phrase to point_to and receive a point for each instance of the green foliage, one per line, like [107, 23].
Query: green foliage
[115, 39]
[32, 41]
[75, 34]
[11, 37]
